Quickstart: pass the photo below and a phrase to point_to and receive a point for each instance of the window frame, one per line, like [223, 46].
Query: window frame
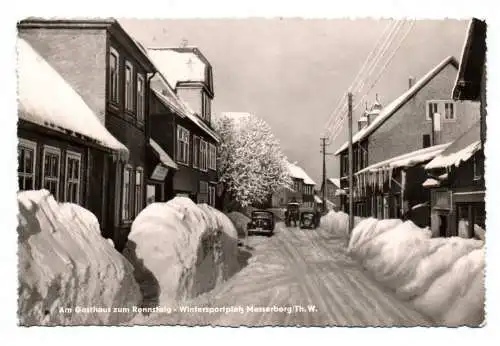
[428, 116]
[78, 156]
[126, 168]
[48, 149]
[140, 106]
[446, 106]
[182, 142]
[211, 195]
[196, 151]
[138, 191]
[212, 161]
[129, 93]
[29, 145]
[113, 51]
[203, 159]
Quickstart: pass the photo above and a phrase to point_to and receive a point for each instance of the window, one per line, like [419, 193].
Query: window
[432, 107]
[129, 90]
[51, 169]
[196, 151]
[72, 177]
[138, 190]
[206, 107]
[140, 97]
[211, 195]
[426, 141]
[127, 172]
[114, 68]
[471, 219]
[26, 158]
[212, 157]
[182, 145]
[203, 196]
[449, 111]
[203, 155]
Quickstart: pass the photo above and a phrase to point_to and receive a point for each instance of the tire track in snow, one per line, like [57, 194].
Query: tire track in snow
[334, 296]
[306, 277]
[371, 291]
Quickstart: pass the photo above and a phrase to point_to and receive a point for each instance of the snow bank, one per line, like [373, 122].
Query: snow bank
[240, 221]
[442, 277]
[65, 263]
[180, 250]
[338, 223]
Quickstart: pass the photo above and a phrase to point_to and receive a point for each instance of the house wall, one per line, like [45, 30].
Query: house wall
[403, 131]
[79, 56]
[187, 178]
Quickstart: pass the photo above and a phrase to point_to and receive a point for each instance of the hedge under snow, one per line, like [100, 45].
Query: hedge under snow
[180, 249]
[65, 263]
[442, 277]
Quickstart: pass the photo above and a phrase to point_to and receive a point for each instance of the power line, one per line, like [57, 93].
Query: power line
[376, 47]
[373, 64]
[378, 76]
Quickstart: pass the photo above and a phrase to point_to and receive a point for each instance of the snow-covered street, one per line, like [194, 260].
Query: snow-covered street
[296, 277]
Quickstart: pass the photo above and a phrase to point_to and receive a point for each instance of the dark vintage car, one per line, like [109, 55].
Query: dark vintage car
[262, 221]
[292, 214]
[309, 219]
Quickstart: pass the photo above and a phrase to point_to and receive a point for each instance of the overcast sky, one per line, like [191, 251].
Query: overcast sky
[292, 72]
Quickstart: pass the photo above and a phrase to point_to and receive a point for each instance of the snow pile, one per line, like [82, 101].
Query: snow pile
[338, 223]
[442, 277]
[65, 263]
[180, 250]
[240, 222]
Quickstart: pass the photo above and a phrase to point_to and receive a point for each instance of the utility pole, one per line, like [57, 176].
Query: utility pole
[351, 168]
[324, 143]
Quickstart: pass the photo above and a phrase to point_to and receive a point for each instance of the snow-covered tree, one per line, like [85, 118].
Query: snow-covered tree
[250, 162]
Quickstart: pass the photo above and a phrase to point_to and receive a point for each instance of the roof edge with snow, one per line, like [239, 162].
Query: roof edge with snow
[399, 102]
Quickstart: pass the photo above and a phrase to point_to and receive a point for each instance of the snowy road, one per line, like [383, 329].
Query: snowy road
[296, 277]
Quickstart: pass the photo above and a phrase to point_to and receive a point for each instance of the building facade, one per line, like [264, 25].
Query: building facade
[458, 186]
[110, 71]
[394, 141]
[191, 140]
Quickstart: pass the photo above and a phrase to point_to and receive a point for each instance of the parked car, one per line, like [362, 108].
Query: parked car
[292, 214]
[309, 219]
[262, 221]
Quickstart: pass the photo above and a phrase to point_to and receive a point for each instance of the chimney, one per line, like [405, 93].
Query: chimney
[411, 82]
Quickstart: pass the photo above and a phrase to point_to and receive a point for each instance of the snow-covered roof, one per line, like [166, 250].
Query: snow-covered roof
[317, 199]
[298, 173]
[408, 159]
[340, 192]
[335, 181]
[170, 98]
[46, 99]
[391, 108]
[164, 157]
[430, 182]
[178, 66]
[460, 150]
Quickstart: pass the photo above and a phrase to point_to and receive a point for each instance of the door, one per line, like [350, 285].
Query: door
[443, 225]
